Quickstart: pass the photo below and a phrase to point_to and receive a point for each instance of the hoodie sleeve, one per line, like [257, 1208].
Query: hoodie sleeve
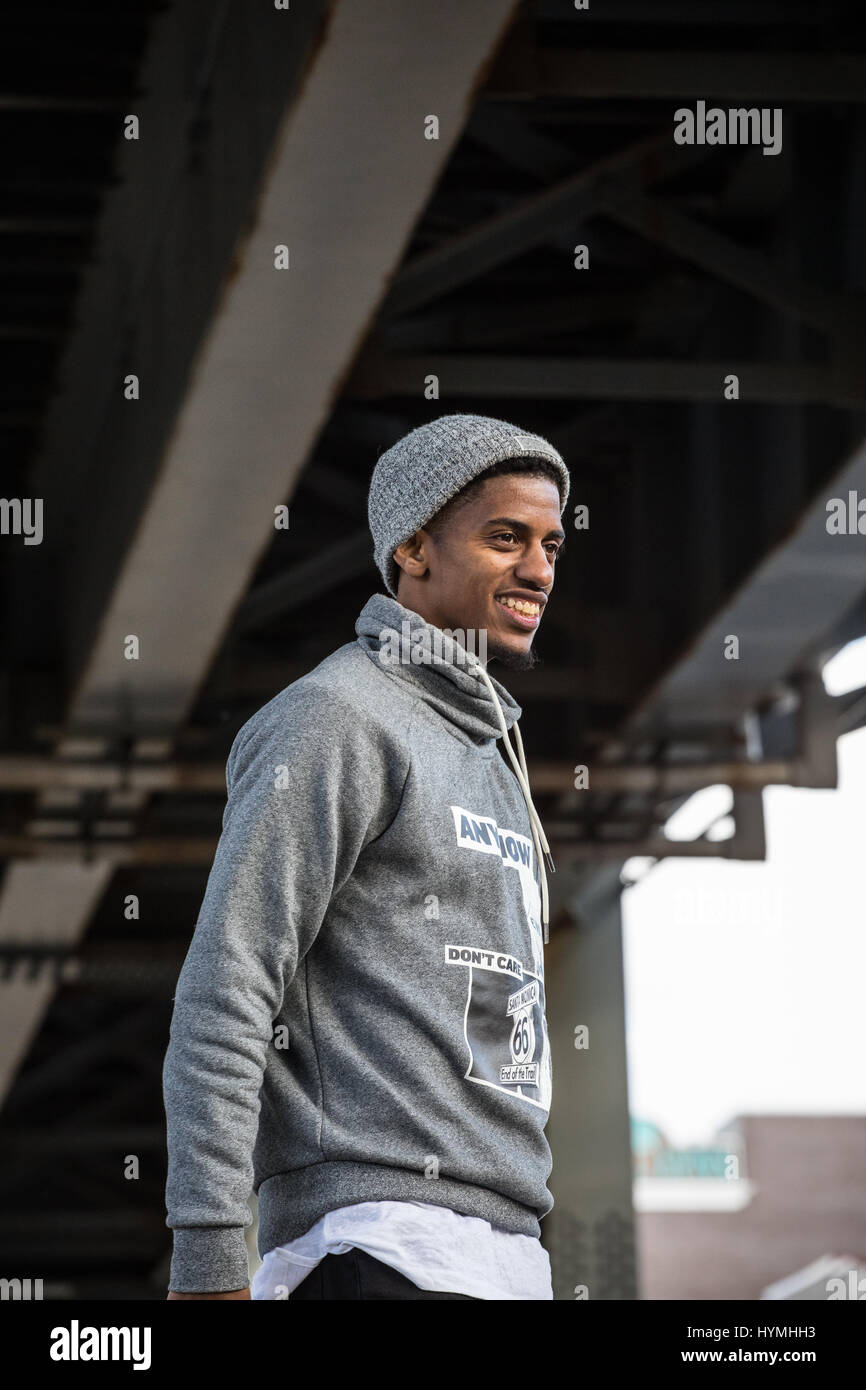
[308, 787]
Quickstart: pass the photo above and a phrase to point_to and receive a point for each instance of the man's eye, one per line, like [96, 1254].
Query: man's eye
[509, 535]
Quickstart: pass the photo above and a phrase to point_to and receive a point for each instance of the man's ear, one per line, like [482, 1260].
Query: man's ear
[411, 556]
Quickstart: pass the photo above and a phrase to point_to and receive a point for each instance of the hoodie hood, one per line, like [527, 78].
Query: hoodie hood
[457, 686]
[449, 686]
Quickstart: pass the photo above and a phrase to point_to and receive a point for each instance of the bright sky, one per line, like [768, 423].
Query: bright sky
[745, 982]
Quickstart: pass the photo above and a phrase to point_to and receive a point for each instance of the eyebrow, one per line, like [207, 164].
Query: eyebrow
[521, 527]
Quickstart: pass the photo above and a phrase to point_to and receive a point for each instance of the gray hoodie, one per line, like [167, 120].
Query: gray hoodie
[360, 1015]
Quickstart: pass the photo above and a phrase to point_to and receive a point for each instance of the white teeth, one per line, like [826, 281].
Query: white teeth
[530, 609]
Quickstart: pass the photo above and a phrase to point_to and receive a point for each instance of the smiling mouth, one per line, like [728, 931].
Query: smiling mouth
[522, 613]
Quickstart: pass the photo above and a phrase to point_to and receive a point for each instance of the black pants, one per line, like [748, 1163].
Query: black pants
[358, 1275]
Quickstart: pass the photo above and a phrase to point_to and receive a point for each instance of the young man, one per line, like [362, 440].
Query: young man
[359, 1032]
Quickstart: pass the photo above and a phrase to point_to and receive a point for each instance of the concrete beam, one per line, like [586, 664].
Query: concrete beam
[42, 903]
[268, 371]
[348, 177]
[780, 615]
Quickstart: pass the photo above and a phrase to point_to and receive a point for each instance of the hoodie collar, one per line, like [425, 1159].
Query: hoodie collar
[471, 700]
[446, 685]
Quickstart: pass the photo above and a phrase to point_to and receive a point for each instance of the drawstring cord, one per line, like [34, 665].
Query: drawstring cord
[520, 771]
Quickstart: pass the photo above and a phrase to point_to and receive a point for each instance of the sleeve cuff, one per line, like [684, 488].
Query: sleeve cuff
[209, 1259]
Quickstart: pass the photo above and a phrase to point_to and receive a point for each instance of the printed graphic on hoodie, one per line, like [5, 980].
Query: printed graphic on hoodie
[504, 1022]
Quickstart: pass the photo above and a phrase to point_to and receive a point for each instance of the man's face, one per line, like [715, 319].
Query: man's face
[502, 544]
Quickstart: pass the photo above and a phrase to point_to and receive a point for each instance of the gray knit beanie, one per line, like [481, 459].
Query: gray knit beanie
[414, 479]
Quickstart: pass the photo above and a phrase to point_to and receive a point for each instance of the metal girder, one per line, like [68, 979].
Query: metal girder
[39, 1232]
[854, 713]
[22, 772]
[101, 855]
[684, 12]
[334, 488]
[660, 222]
[663, 780]
[75, 1056]
[307, 579]
[68, 1139]
[653, 847]
[532, 220]
[63, 105]
[130, 973]
[509, 135]
[574, 378]
[766, 78]
[518, 319]
[754, 188]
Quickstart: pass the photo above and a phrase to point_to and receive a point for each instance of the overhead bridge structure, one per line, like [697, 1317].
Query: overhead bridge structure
[244, 249]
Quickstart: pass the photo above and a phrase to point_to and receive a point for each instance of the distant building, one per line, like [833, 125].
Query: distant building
[799, 1192]
[707, 1178]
